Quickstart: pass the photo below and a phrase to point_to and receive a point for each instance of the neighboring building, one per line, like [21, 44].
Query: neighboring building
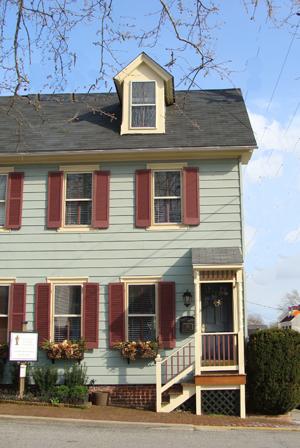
[114, 210]
[253, 328]
[291, 319]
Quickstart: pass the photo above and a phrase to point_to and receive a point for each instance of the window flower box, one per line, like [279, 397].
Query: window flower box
[132, 350]
[65, 349]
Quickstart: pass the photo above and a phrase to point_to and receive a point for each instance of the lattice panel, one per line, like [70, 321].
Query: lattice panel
[225, 402]
[217, 275]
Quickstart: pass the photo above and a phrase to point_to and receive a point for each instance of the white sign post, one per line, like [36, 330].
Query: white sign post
[23, 347]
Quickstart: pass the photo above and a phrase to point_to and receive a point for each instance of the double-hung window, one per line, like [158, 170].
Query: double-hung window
[67, 312]
[142, 312]
[4, 294]
[143, 104]
[3, 188]
[78, 199]
[167, 197]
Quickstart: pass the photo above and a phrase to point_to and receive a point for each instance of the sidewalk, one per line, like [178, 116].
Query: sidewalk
[116, 414]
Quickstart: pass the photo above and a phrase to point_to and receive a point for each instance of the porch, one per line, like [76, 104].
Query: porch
[210, 363]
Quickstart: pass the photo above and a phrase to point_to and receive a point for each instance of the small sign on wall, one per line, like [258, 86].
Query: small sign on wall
[23, 346]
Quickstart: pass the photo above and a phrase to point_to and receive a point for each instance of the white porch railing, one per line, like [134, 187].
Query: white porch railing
[219, 351]
[201, 352]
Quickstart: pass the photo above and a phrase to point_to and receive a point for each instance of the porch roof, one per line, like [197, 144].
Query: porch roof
[214, 256]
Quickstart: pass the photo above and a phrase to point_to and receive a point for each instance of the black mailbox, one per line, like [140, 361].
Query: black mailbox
[187, 325]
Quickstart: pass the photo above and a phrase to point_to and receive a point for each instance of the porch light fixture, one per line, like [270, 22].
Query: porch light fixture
[187, 298]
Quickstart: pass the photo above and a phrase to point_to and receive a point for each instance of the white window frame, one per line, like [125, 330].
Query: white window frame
[65, 200]
[131, 105]
[2, 226]
[53, 315]
[136, 281]
[165, 197]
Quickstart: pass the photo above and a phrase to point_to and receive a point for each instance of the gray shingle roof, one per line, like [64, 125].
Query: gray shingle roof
[206, 118]
[217, 256]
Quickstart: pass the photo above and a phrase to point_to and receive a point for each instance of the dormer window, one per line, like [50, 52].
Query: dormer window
[143, 104]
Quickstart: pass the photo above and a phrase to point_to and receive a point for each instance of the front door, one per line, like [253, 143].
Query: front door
[217, 307]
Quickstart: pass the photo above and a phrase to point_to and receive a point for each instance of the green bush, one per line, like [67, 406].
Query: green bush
[45, 379]
[75, 376]
[78, 394]
[273, 371]
[60, 393]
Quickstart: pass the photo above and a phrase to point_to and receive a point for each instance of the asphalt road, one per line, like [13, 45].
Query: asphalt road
[25, 433]
[48, 434]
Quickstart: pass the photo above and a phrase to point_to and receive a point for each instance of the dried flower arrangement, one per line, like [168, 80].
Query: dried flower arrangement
[131, 350]
[65, 350]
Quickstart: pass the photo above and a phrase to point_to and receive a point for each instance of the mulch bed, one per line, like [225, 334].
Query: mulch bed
[111, 413]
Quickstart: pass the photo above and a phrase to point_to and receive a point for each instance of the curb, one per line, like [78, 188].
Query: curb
[178, 426]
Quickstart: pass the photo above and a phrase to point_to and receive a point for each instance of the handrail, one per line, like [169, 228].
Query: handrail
[179, 348]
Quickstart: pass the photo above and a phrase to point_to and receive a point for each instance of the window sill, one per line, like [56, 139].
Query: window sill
[4, 230]
[168, 227]
[75, 229]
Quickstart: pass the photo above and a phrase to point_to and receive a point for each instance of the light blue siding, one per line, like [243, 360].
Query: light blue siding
[34, 253]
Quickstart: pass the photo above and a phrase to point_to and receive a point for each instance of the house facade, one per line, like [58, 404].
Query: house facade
[121, 220]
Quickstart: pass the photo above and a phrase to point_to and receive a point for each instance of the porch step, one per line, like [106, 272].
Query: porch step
[177, 398]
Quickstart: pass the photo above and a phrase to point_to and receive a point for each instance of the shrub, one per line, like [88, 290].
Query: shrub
[45, 379]
[78, 394]
[60, 393]
[273, 371]
[75, 376]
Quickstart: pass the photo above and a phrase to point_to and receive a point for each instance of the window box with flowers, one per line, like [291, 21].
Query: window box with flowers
[65, 350]
[132, 350]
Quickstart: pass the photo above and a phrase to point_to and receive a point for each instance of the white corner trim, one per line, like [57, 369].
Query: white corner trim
[166, 166]
[67, 280]
[6, 169]
[79, 168]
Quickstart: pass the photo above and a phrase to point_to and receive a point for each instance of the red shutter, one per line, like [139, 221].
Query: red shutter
[17, 306]
[143, 198]
[42, 310]
[100, 213]
[166, 314]
[91, 315]
[191, 205]
[14, 200]
[116, 308]
[55, 189]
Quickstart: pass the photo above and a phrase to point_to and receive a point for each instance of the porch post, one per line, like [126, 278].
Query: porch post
[158, 383]
[241, 337]
[241, 343]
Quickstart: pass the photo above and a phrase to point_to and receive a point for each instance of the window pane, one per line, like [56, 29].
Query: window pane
[141, 328]
[3, 187]
[167, 210]
[167, 183]
[2, 213]
[66, 328]
[67, 299]
[79, 186]
[143, 92]
[141, 299]
[79, 212]
[3, 330]
[4, 299]
[143, 117]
